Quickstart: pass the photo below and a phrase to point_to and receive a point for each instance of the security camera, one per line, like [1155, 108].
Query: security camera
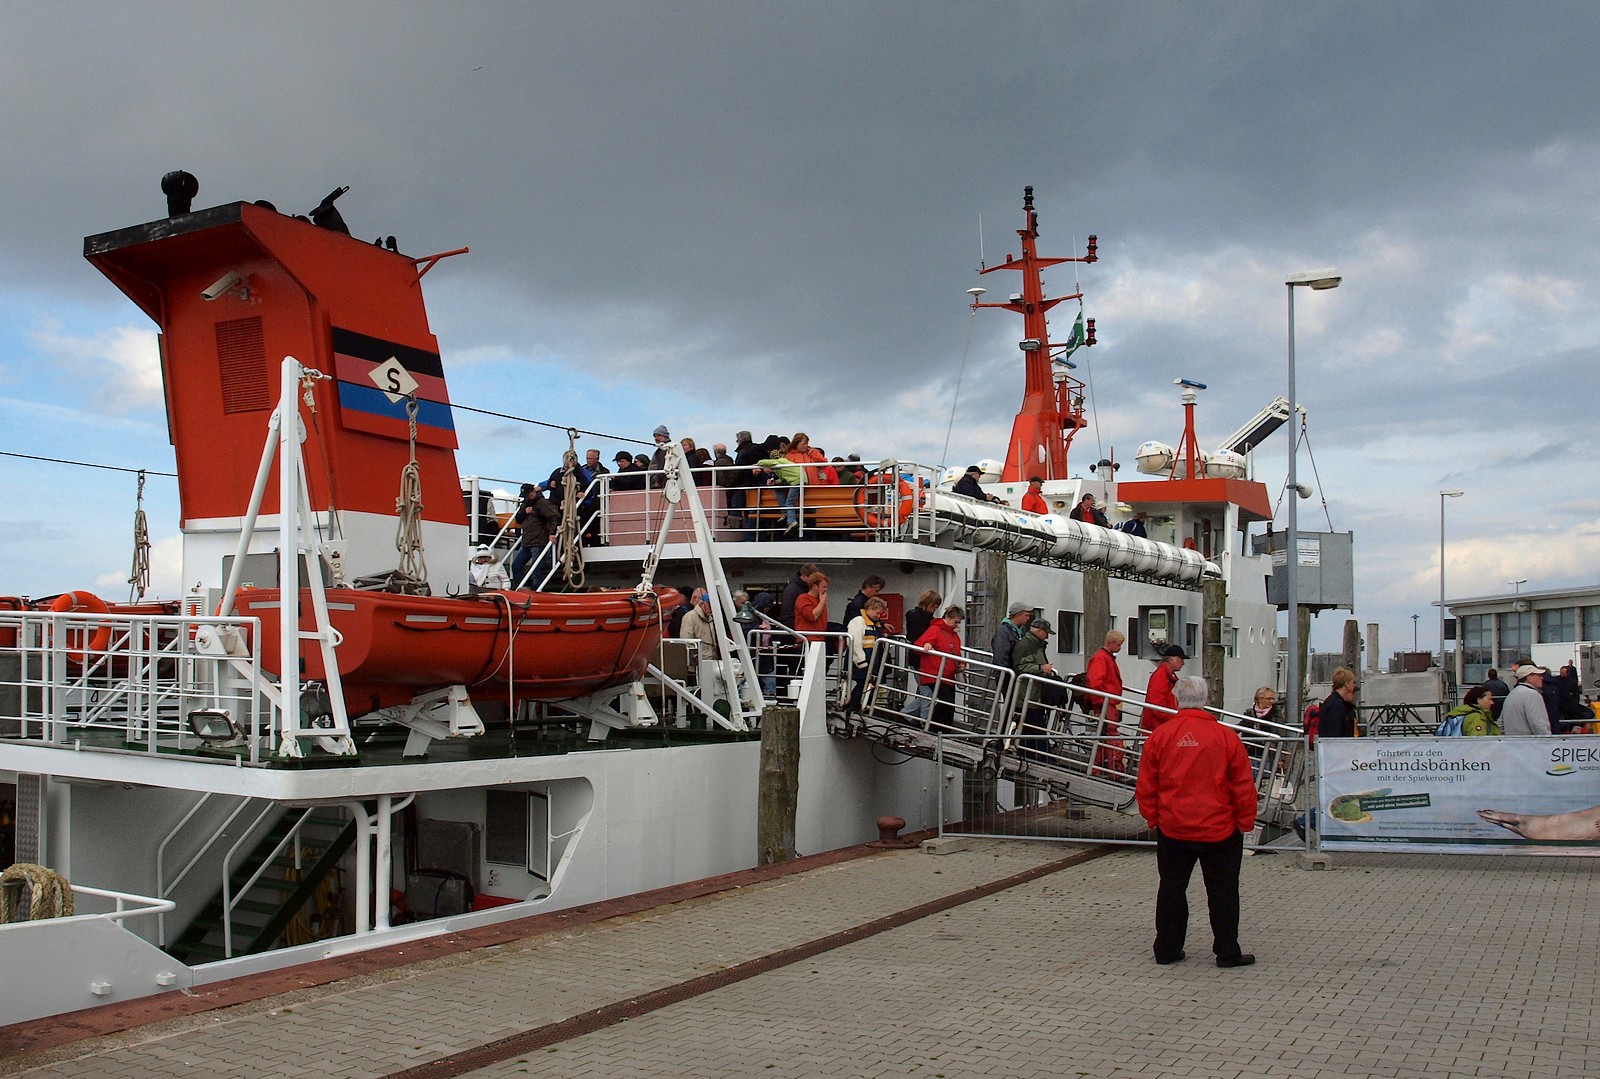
[225, 284]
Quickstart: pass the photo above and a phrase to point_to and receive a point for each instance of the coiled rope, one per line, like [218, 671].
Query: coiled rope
[139, 577]
[408, 506]
[568, 549]
[50, 892]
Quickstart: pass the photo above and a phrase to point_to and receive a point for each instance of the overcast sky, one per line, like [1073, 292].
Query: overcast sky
[724, 215]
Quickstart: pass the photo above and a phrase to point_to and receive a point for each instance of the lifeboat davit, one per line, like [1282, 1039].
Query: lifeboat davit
[545, 645]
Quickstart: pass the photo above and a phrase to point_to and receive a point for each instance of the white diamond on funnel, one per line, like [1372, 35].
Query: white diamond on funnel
[394, 380]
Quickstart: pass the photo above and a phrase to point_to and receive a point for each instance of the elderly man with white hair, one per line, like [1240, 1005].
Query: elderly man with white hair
[1195, 789]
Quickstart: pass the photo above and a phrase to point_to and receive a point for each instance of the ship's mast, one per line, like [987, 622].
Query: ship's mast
[1052, 400]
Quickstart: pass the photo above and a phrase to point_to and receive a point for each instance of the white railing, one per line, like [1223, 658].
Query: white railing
[133, 681]
[125, 905]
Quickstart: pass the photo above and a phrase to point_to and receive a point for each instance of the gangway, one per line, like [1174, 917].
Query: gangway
[1034, 732]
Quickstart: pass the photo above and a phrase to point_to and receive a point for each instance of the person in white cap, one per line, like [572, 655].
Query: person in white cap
[486, 573]
[1524, 711]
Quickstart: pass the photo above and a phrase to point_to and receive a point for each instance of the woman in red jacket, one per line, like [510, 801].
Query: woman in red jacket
[937, 674]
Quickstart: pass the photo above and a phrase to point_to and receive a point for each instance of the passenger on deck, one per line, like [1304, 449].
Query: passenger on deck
[699, 625]
[785, 480]
[1135, 526]
[936, 674]
[723, 464]
[850, 470]
[674, 608]
[627, 476]
[658, 460]
[920, 617]
[591, 461]
[864, 630]
[811, 607]
[968, 485]
[870, 587]
[1158, 691]
[537, 520]
[1087, 512]
[798, 586]
[485, 573]
[1195, 790]
[802, 452]
[1010, 632]
[745, 455]
[1032, 657]
[1033, 501]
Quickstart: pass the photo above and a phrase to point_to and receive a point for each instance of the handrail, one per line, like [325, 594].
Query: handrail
[227, 880]
[148, 905]
[228, 905]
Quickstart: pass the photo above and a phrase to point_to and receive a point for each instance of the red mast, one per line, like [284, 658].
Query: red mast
[1052, 400]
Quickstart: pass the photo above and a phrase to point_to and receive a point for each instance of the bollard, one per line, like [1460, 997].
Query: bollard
[778, 793]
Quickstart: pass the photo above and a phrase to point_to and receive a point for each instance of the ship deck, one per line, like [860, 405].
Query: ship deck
[1008, 958]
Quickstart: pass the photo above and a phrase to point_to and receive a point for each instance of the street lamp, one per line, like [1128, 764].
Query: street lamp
[1414, 620]
[1516, 586]
[1318, 280]
[1453, 493]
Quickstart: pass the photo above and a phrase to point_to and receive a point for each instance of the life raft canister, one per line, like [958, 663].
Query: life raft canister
[81, 641]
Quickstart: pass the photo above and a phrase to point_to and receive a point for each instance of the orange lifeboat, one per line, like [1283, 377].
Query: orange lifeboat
[545, 645]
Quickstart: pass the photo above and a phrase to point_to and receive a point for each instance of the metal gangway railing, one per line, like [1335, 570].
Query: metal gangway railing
[151, 682]
[1040, 733]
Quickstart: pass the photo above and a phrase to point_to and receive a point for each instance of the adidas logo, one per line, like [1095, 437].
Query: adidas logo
[1190, 741]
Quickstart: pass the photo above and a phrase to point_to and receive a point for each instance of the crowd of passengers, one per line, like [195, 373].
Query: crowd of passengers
[783, 466]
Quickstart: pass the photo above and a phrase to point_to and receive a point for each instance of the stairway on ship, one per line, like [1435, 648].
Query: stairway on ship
[266, 911]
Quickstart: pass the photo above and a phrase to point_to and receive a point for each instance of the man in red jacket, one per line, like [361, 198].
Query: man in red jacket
[1195, 790]
[1159, 689]
[1103, 674]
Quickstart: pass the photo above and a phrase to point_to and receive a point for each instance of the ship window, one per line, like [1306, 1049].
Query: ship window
[1559, 626]
[505, 830]
[242, 362]
[1069, 633]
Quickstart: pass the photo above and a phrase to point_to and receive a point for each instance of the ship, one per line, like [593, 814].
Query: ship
[333, 741]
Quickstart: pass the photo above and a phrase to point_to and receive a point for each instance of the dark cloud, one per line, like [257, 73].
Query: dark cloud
[784, 201]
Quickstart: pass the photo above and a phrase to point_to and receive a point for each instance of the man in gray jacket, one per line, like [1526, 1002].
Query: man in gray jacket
[1524, 711]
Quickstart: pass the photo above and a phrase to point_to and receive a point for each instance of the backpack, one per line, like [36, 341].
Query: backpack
[1451, 727]
[1311, 720]
[1076, 699]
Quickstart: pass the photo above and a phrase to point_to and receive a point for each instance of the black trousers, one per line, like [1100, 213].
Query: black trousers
[1219, 867]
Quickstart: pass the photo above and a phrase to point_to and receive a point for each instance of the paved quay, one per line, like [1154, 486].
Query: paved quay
[1386, 965]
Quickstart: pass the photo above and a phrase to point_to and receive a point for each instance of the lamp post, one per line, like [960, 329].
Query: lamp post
[1516, 586]
[1414, 620]
[1319, 280]
[1453, 493]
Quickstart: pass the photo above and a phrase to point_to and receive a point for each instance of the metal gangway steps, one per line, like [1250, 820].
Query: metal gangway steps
[1036, 731]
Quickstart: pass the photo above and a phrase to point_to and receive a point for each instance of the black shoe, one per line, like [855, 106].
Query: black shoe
[1170, 959]
[1243, 959]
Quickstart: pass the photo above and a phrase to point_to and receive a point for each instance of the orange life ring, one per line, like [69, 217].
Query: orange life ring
[68, 602]
[873, 511]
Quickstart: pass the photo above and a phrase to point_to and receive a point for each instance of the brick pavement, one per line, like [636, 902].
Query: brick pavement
[1385, 965]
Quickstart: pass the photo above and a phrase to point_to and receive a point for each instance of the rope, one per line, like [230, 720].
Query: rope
[568, 550]
[408, 506]
[85, 464]
[139, 577]
[50, 892]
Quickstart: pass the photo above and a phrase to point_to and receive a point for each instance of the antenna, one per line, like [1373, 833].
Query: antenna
[981, 263]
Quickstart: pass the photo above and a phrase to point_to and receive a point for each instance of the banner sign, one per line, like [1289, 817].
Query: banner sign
[1460, 795]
